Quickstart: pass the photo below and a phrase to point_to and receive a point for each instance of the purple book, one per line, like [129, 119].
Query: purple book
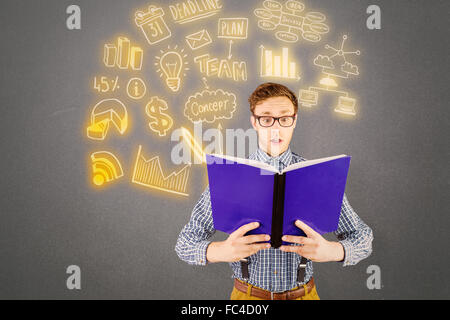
[244, 191]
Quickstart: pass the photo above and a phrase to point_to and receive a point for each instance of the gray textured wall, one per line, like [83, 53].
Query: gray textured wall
[123, 237]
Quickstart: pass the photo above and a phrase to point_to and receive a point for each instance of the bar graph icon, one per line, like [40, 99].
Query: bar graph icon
[123, 55]
[148, 173]
[278, 66]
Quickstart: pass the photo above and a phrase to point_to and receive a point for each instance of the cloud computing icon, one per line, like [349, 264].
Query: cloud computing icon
[335, 65]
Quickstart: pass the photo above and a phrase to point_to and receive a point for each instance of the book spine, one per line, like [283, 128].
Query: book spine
[277, 210]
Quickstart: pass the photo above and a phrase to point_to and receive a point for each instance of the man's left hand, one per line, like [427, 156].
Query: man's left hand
[313, 247]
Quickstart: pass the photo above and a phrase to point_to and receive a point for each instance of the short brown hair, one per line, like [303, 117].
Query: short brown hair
[269, 90]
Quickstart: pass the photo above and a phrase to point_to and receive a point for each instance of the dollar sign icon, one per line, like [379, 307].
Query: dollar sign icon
[160, 122]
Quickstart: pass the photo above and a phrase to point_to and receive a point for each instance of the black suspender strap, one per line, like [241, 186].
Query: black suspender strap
[301, 271]
[244, 269]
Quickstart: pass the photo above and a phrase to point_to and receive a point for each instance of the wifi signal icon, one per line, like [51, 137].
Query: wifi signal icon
[105, 168]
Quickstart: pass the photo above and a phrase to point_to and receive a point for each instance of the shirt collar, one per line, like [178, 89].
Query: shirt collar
[282, 160]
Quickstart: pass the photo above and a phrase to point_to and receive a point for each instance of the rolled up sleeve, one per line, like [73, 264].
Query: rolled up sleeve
[355, 236]
[193, 239]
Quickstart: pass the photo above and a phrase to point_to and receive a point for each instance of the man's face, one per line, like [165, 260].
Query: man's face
[274, 140]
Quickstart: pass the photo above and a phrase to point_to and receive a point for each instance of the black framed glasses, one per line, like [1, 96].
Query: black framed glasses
[268, 121]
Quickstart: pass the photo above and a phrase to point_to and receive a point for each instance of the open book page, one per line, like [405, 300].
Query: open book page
[307, 163]
[241, 192]
[250, 162]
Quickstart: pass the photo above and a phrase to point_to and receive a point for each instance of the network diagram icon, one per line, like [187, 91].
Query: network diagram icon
[337, 64]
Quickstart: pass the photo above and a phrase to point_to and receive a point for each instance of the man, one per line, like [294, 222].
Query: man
[262, 272]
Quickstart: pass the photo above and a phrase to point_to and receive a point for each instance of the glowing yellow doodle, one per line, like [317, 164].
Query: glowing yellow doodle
[160, 121]
[309, 98]
[109, 55]
[192, 10]
[189, 139]
[233, 28]
[123, 55]
[210, 106]
[105, 112]
[333, 65]
[198, 39]
[172, 65]
[236, 70]
[105, 168]
[205, 82]
[104, 84]
[346, 105]
[277, 65]
[148, 173]
[337, 64]
[136, 88]
[152, 24]
[290, 21]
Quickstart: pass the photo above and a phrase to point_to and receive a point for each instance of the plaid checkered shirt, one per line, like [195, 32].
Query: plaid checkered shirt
[272, 269]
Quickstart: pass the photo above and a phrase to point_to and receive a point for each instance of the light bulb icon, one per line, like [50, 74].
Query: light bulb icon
[171, 65]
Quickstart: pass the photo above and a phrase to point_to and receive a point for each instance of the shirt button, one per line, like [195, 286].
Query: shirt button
[275, 272]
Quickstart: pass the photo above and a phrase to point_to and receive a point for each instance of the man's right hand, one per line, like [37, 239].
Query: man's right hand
[238, 245]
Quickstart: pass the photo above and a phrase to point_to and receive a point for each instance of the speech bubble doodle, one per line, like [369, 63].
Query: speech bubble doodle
[210, 106]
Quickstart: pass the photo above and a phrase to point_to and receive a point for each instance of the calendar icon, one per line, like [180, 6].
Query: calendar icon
[152, 24]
